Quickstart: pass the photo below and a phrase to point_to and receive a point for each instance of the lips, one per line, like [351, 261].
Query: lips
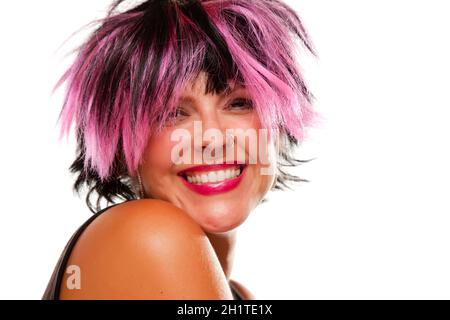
[204, 179]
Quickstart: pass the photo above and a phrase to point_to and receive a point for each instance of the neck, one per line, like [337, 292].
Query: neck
[223, 244]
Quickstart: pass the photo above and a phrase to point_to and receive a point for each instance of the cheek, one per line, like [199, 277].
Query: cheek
[267, 162]
[157, 155]
[266, 170]
[263, 172]
[249, 121]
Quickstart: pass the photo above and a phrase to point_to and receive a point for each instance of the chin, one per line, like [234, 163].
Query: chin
[220, 223]
[218, 229]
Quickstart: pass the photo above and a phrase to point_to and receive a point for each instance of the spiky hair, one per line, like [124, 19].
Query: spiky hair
[129, 74]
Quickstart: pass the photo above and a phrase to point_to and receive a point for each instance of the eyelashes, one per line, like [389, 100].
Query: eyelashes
[236, 105]
[242, 103]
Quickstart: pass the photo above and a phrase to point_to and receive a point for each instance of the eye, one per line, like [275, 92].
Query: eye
[241, 104]
[174, 117]
[178, 114]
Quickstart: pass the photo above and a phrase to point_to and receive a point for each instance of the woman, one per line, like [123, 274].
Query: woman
[153, 90]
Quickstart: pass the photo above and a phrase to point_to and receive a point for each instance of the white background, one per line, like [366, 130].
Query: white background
[373, 223]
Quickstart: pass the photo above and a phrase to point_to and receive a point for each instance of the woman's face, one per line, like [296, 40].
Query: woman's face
[216, 197]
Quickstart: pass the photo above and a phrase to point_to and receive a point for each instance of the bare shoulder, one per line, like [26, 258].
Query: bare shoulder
[242, 290]
[144, 249]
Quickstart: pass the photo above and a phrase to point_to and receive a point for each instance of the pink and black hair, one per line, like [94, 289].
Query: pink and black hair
[127, 76]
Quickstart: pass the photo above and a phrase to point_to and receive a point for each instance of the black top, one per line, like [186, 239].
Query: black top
[53, 288]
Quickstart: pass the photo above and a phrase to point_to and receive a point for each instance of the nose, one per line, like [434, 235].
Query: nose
[212, 138]
[211, 121]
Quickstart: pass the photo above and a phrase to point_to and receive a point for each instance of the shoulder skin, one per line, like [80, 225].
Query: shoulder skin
[144, 249]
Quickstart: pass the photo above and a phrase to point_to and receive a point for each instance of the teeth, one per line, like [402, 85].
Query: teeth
[214, 176]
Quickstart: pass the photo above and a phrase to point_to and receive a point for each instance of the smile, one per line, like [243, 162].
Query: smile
[213, 179]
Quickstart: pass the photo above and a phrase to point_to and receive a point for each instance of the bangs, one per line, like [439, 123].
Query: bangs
[129, 75]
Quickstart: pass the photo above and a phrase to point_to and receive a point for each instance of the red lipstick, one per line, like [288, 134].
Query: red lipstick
[212, 188]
